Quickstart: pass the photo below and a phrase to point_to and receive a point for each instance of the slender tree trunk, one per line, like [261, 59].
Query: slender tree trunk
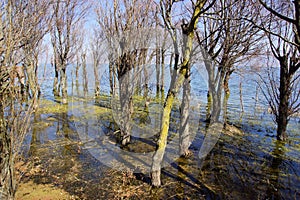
[111, 77]
[216, 108]
[284, 95]
[162, 88]
[226, 92]
[84, 74]
[97, 81]
[162, 142]
[209, 105]
[225, 106]
[7, 182]
[146, 74]
[226, 83]
[176, 84]
[146, 87]
[63, 85]
[171, 64]
[157, 65]
[32, 81]
[77, 68]
[215, 90]
[138, 74]
[213, 85]
[55, 82]
[184, 131]
[114, 84]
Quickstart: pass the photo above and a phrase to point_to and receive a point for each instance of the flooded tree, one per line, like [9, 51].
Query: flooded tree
[65, 33]
[231, 41]
[180, 74]
[84, 73]
[97, 51]
[14, 115]
[37, 22]
[127, 52]
[281, 23]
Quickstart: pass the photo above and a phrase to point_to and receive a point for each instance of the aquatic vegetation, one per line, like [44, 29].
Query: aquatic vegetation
[245, 163]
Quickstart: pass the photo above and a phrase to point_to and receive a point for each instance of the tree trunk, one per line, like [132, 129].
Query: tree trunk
[97, 82]
[284, 95]
[216, 106]
[176, 84]
[184, 132]
[146, 87]
[226, 83]
[215, 84]
[7, 182]
[226, 92]
[215, 88]
[162, 88]
[162, 142]
[126, 108]
[63, 85]
[157, 65]
[209, 105]
[146, 74]
[55, 82]
[111, 77]
[84, 75]
[225, 105]
[32, 81]
[77, 69]
[171, 64]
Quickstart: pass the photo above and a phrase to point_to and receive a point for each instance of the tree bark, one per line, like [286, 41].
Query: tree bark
[162, 88]
[157, 65]
[63, 85]
[32, 80]
[215, 81]
[77, 69]
[55, 81]
[226, 83]
[7, 182]
[184, 131]
[209, 105]
[97, 81]
[176, 84]
[84, 75]
[284, 95]
[126, 108]
[111, 77]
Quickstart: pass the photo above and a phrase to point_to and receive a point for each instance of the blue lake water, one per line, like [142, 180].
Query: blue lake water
[252, 165]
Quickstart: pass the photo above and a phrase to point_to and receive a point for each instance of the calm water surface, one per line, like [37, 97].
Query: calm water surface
[66, 142]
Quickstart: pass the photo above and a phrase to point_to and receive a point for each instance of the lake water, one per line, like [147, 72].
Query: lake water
[74, 149]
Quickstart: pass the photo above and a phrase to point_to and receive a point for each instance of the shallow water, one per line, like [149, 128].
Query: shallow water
[74, 147]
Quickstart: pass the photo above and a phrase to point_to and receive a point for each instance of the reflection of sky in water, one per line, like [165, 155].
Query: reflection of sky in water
[91, 130]
[198, 86]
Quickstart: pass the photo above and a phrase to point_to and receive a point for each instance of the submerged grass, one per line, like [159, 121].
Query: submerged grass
[251, 166]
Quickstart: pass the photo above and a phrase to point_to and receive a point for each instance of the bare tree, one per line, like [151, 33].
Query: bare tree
[67, 22]
[230, 40]
[180, 73]
[84, 73]
[281, 23]
[98, 51]
[36, 21]
[14, 117]
[121, 24]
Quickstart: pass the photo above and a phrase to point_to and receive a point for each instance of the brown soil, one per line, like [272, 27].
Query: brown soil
[33, 191]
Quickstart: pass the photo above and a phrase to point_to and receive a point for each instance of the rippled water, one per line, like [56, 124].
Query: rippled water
[74, 145]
